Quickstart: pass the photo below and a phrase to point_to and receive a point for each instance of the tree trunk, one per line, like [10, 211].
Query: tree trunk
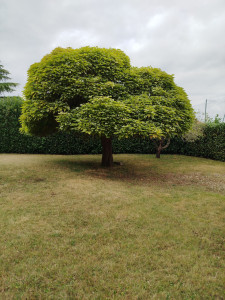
[160, 147]
[107, 157]
[158, 151]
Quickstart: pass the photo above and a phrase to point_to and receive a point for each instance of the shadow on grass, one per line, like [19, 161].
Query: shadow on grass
[129, 171]
[139, 172]
[78, 165]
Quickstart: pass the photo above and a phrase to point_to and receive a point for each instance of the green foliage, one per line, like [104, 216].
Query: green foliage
[143, 101]
[195, 133]
[143, 115]
[74, 75]
[173, 112]
[214, 140]
[210, 145]
[10, 109]
[215, 121]
[12, 141]
[100, 116]
[37, 117]
[148, 80]
[70, 77]
[104, 116]
[5, 86]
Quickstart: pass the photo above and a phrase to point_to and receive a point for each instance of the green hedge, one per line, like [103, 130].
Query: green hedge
[12, 141]
[211, 145]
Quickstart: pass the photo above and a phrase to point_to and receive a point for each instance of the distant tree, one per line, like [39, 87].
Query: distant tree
[96, 91]
[5, 86]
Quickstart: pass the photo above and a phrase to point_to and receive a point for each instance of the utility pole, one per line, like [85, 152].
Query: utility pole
[205, 110]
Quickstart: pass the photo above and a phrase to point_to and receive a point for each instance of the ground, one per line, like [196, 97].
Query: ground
[149, 229]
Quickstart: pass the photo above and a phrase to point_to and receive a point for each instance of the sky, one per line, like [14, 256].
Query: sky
[184, 38]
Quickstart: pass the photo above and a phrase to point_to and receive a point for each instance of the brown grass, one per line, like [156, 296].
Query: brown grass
[149, 229]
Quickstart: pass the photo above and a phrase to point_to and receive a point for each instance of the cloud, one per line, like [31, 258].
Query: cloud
[184, 38]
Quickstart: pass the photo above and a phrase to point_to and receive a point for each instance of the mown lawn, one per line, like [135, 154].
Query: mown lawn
[148, 229]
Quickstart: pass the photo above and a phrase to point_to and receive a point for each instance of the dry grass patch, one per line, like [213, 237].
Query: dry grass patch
[149, 229]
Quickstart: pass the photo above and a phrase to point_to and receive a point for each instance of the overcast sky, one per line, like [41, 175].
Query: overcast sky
[182, 37]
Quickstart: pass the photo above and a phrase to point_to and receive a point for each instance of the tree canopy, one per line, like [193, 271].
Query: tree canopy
[96, 91]
[104, 116]
[5, 85]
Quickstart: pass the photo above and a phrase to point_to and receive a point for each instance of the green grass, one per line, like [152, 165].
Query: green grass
[149, 229]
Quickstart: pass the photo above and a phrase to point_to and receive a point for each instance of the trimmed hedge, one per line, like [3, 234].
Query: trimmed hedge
[211, 145]
[12, 141]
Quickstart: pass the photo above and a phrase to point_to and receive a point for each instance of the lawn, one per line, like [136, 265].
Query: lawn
[147, 229]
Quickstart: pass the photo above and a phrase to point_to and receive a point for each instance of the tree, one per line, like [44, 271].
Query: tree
[96, 91]
[173, 112]
[67, 78]
[5, 86]
[174, 117]
[105, 117]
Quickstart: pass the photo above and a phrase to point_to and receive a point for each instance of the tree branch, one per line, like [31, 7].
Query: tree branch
[167, 144]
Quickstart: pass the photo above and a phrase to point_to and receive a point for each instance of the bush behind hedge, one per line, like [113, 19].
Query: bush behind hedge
[211, 145]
